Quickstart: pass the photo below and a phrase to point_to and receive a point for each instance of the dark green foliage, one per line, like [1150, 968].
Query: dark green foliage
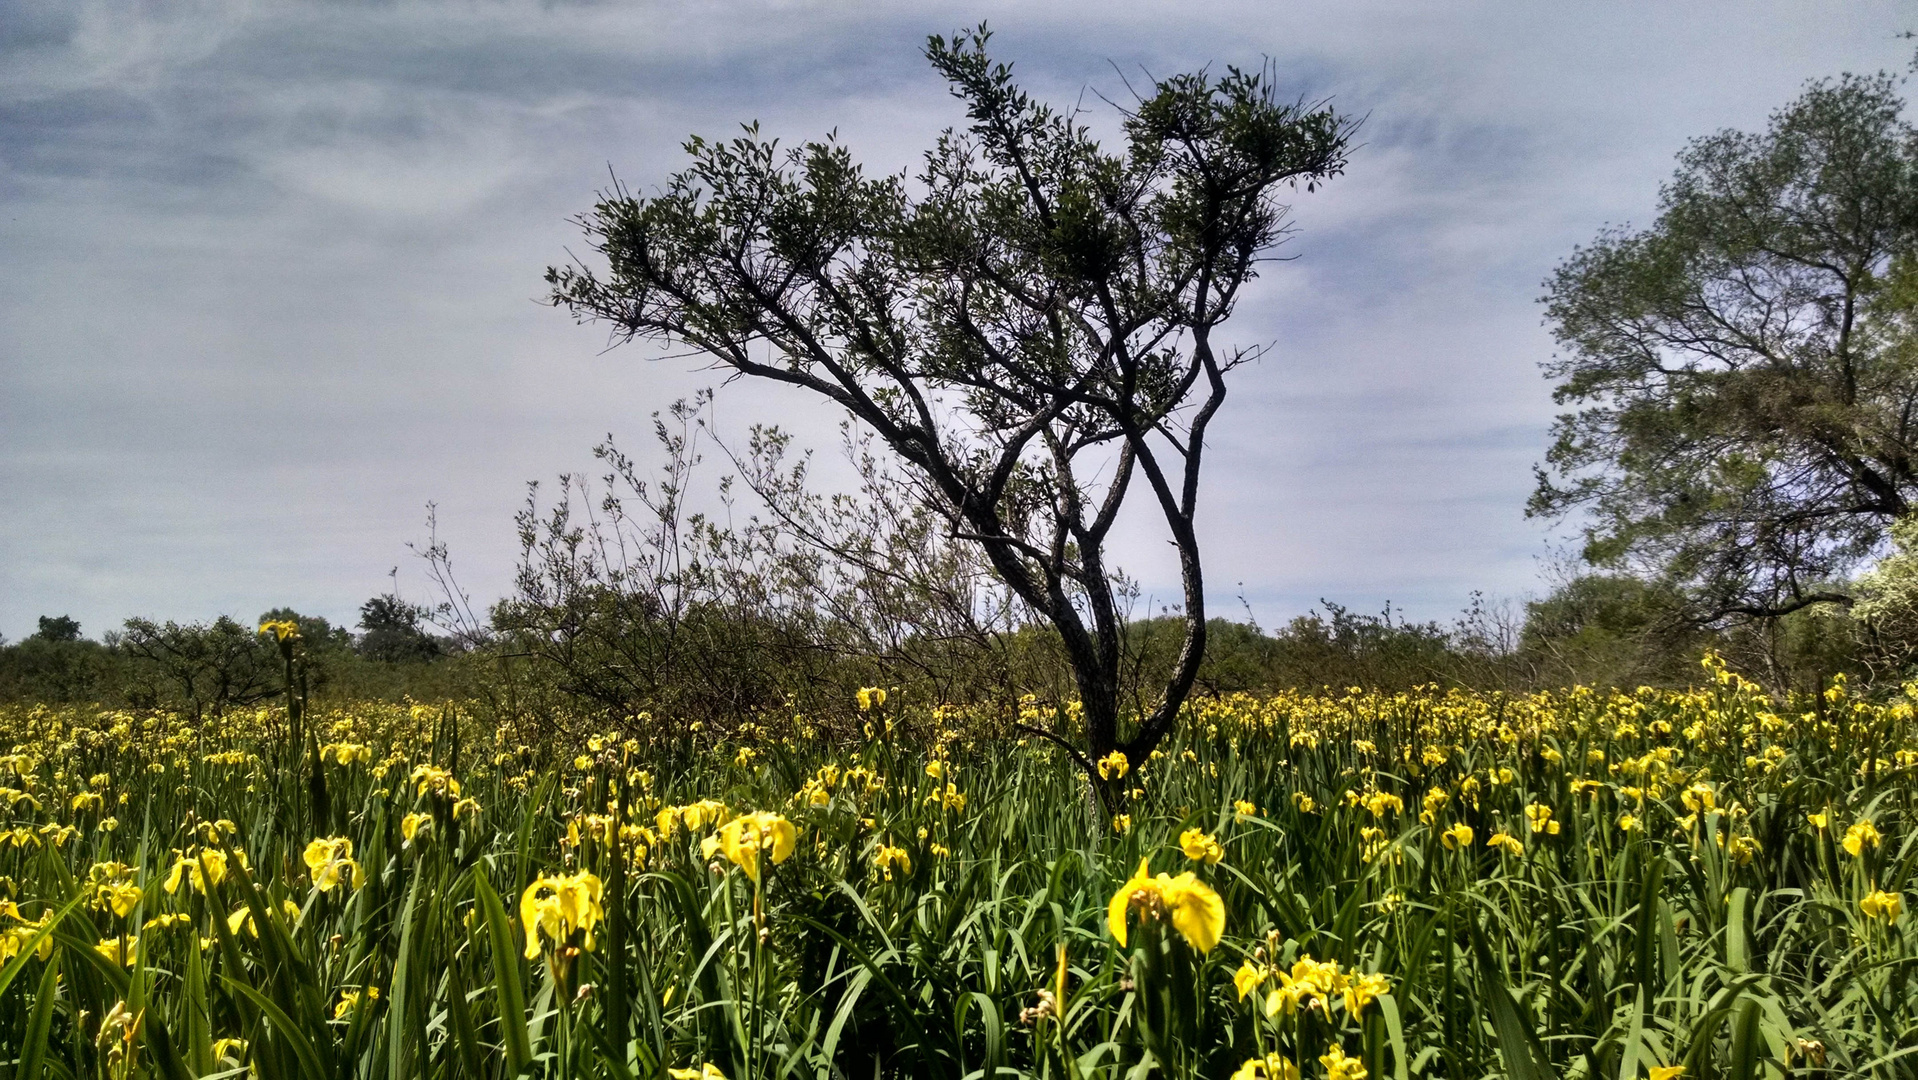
[197, 667]
[58, 628]
[395, 632]
[1744, 370]
[317, 634]
[1804, 649]
[200, 667]
[1611, 629]
[1342, 648]
[55, 671]
[1335, 647]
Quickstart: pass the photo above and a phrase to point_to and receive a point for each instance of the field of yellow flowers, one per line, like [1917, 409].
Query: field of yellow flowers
[1580, 884]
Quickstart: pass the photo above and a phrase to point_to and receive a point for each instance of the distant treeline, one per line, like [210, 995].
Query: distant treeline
[198, 667]
[711, 663]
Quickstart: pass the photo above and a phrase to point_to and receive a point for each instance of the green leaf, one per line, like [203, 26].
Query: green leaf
[1518, 1044]
[1628, 1054]
[993, 1026]
[1745, 1043]
[199, 1036]
[401, 1005]
[511, 996]
[459, 1011]
[33, 1052]
[1737, 956]
[1395, 1034]
[303, 1050]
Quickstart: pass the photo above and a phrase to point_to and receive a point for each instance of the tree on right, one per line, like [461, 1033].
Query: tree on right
[1744, 372]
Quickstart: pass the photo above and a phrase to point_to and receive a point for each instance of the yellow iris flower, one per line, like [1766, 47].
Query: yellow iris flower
[1506, 842]
[204, 870]
[1540, 816]
[1883, 905]
[1340, 1067]
[1247, 979]
[123, 950]
[1310, 982]
[1360, 990]
[229, 1050]
[330, 862]
[120, 896]
[1859, 837]
[1269, 1067]
[1194, 910]
[351, 1000]
[692, 815]
[435, 779]
[559, 904]
[1199, 847]
[885, 858]
[742, 839]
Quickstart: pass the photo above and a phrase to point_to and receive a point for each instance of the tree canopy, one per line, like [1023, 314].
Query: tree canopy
[58, 628]
[1744, 370]
[1029, 324]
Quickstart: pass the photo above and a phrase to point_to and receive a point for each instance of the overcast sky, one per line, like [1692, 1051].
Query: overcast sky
[268, 271]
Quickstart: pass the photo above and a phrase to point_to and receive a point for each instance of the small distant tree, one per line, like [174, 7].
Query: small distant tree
[394, 631]
[1610, 630]
[56, 664]
[58, 628]
[1031, 327]
[200, 667]
[317, 632]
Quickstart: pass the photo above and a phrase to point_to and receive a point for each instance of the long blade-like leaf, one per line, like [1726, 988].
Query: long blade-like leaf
[1517, 1042]
[33, 1052]
[511, 997]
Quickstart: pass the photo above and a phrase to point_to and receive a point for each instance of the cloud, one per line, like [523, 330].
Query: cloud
[272, 266]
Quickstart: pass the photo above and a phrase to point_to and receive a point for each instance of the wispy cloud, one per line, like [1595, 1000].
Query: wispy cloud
[271, 266]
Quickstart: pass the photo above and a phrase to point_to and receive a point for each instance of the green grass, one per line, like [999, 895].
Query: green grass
[1724, 934]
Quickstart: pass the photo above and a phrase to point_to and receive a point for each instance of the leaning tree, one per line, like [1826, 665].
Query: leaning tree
[1031, 323]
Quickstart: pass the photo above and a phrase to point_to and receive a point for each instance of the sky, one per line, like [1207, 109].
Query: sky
[271, 271]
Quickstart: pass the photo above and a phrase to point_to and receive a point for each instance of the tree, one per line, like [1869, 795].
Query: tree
[317, 633]
[643, 607]
[394, 631]
[1610, 630]
[56, 664]
[1030, 326]
[200, 666]
[1745, 369]
[58, 628]
[1888, 603]
[646, 608]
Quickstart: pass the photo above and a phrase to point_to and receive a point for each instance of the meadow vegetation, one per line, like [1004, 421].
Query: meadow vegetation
[1339, 884]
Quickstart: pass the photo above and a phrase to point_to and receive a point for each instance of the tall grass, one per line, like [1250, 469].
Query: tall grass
[1685, 880]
